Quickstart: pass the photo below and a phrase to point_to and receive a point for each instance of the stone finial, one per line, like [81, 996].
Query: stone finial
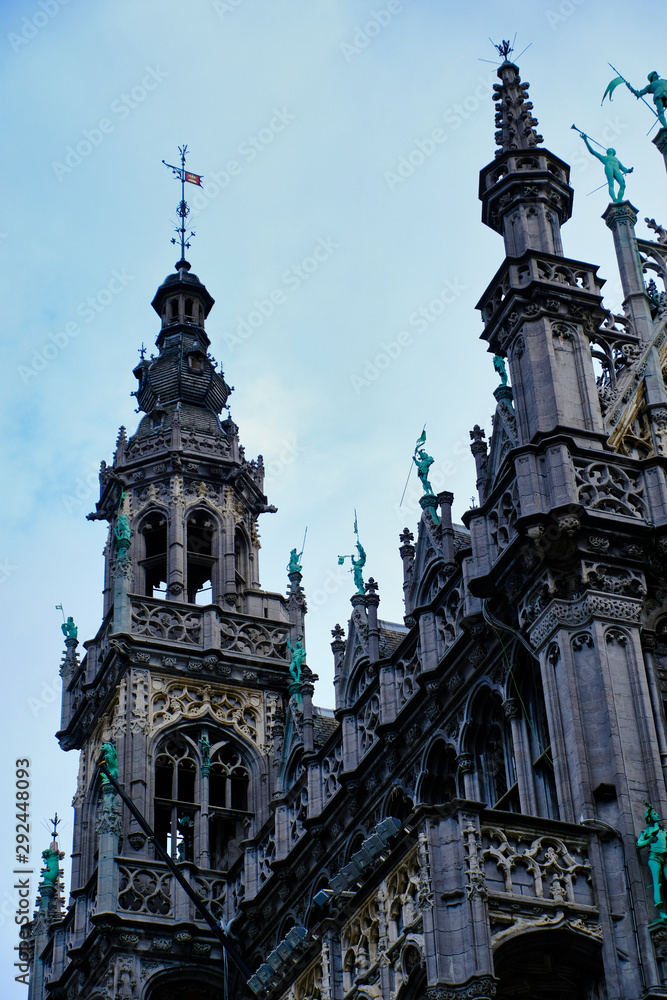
[516, 124]
[406, 537]
[371, 586]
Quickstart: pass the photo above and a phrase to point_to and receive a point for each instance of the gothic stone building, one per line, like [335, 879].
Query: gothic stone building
[513, 725]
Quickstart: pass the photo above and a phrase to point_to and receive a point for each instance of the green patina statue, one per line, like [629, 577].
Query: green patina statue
[294, 566]
[69, 629]
[656, 87]
[51, 869]
[613, 169]
[499, 365]
[655, 838]
[123, 534]
[423, 463]
[111, 761]
[298, 655]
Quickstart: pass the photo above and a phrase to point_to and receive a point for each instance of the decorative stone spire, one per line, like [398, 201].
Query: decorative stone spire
[524, 192]
[514, 112]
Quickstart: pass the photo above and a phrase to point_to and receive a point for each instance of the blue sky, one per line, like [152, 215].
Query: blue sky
[313, 124]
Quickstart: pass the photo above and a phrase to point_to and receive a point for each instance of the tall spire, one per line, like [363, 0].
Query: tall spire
[524, 191]
[514, 112]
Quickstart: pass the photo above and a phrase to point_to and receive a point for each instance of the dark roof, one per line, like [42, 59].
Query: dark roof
[324, 725]
[391, 637]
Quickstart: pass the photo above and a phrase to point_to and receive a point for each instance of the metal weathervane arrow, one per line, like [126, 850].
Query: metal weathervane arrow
[184, 176]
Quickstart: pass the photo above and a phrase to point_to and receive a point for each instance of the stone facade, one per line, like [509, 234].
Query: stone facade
[513, 724]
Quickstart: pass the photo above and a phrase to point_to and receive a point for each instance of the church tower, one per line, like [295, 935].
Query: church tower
[185, 680]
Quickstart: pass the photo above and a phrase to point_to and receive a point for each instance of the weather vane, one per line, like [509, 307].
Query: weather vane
[183, 209]
[55, 821]
[505, 49]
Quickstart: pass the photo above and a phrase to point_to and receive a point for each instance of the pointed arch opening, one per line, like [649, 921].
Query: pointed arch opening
[490, 743]
[154, 561]
[201, 797]
[201, 532]
[440, 777]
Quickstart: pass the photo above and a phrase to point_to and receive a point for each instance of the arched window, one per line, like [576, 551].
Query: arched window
[200, 560]
[173, 310]
[201, 798]
[494, 755]
[154, 562]
[530, 696]
[189, 313]
[439, 783]
[175, 780]
[241, 558]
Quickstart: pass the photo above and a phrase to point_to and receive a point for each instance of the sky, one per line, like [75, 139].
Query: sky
[344, 248]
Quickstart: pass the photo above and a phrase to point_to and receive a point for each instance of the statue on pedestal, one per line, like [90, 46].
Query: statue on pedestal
[654, 836]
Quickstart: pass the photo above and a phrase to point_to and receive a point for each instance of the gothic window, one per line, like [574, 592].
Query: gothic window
[175, 779]
[154, 562]
[228, 804]
[493, 750]
[439, 783]
[241, 555]
[528, 685]
[200, 561]
[189, 315]
[201, 799]
[173, 310]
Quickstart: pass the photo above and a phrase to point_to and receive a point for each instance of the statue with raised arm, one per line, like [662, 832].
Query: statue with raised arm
[423, 461]
[298, 655]
[655, 838]
[69, 629]
[111, 761]
[613, 169]
[499, 365]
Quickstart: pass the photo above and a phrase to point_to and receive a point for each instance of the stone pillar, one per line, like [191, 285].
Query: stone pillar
[108, 829]
[466, 763]
[338, 650]
[480, 454]
[407, 553]
[201, 854]
[68, 668]
[648, 641]
[176, 543]
[307, 692]
[620, 217]
[521, 743]
[445, 500]
[660, 143]
[372, 603]
[429, 503]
